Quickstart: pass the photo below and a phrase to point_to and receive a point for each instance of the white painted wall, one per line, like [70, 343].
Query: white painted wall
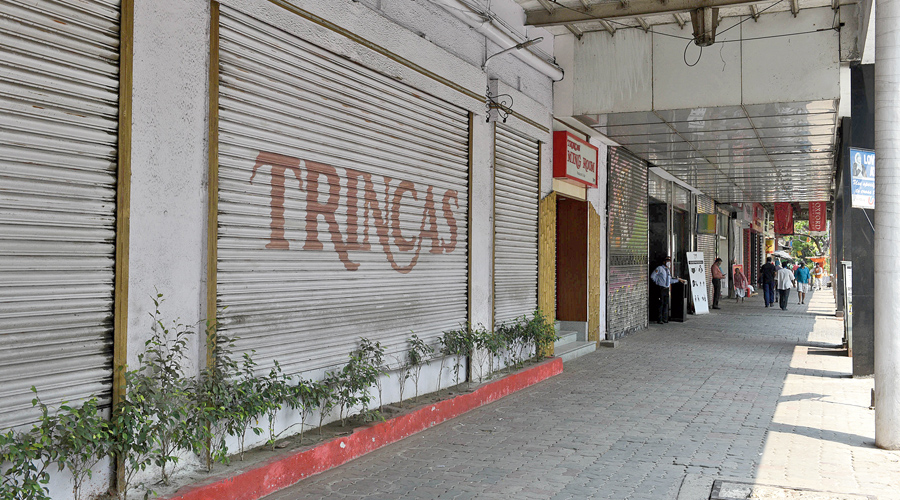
[638, 71]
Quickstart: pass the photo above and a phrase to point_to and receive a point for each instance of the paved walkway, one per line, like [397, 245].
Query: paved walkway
[753, 394]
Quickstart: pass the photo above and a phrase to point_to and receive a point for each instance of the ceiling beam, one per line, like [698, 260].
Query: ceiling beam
[619, 10]
[644, 24]
[575, 31]
[547, 4]
[608, 27]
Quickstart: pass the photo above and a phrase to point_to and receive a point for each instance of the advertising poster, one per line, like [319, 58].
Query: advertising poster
[784, 218]
[818, 224]
[862, 177]
[697, 272]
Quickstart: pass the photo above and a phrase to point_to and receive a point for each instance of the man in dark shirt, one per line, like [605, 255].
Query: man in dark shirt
[767, 281]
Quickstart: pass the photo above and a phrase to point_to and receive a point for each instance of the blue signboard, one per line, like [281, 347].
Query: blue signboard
[862, 176]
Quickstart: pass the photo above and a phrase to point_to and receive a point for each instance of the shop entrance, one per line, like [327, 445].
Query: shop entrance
[658, 218]
[572, 261]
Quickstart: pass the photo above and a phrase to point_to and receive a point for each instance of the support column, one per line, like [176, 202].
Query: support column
[887, 231]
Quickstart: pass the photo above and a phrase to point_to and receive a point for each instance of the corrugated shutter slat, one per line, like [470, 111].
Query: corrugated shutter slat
[59, 93]
[627, 292]
[342, 203]
[516, 185]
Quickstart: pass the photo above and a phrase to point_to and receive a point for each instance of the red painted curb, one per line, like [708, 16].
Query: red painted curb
[281, 472]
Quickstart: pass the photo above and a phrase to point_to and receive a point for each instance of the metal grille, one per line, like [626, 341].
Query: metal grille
[343, 205]
[706, 243]
[516, 165]
[627, 290]
[749, 272]
[59, 89]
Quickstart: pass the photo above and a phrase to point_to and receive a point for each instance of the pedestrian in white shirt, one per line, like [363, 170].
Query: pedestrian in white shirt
[784, 281]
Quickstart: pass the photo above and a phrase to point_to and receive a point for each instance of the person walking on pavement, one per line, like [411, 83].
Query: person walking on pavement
[662, 277]
[784, 281]
[767, 281]
[818, 273]
[717, 276]
[802, 277]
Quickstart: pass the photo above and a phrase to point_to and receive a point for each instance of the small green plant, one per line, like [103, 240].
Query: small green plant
[542, 334]
[161, 381]
[274, 389]
[404, 371]
[214, 412]
[324, 394]
[459, 344]
[249, 402]
[131, 431]
[82, 440]
[357, 376]
[418, 356]
[304, 399]
[483, 348]
[24, 460]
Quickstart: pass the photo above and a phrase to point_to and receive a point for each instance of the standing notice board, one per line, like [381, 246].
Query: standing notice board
[697, 272]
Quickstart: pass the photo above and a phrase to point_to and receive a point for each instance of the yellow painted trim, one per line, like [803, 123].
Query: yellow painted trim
[309, 16]
[212, 228]
[570, 190]
[547, 259]
[123, 216]
[594, 238]
[123, 201]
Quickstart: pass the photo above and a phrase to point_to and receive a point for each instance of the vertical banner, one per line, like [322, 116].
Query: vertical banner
[770, 245]
[759, 215]
[697, 274]
[784, 218]
[818, 224]
[862, 175]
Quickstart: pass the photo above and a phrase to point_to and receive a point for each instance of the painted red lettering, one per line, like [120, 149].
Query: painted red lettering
[314, 209]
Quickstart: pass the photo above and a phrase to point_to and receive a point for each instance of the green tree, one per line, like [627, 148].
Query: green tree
[804, 245]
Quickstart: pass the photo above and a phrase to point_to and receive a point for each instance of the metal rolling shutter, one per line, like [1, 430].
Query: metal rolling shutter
[516, 185]
[342, 207]
[706, 243]
[59, 93]
[627, 289]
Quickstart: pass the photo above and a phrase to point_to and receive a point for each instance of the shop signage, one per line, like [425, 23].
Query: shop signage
[574, 159]
[784, 218]
[706, 223]
[817, 221]
[862, 175]
[697, 273]
[374, 207]
[759, 215]
[770, 245]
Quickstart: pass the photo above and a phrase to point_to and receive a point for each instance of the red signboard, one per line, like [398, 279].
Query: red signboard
[574, 159]
[784, 218]
[817, 220]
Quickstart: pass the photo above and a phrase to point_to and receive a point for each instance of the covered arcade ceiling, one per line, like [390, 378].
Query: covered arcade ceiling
[752, 117]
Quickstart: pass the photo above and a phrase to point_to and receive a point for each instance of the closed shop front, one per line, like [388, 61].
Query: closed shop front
[706, 243]
[59, 87]
[516, 184]
[342, 202]
[627, 289]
